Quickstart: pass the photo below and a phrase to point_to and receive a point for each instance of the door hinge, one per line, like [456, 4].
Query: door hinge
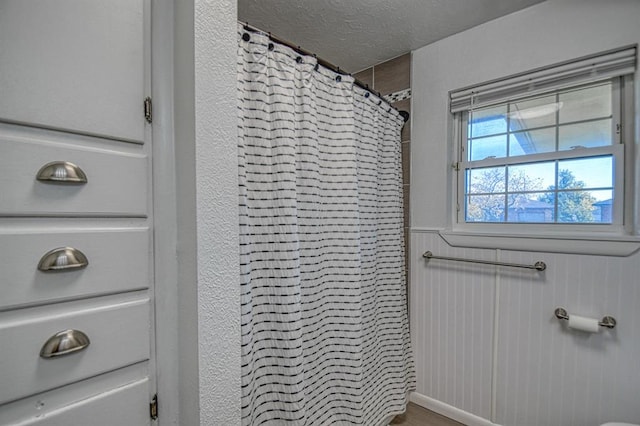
[153, 407]
[148, 111]
[456, 166]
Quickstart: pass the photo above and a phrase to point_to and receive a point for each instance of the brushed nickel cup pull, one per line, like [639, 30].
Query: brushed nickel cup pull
[64, 343]
[63, 259]
[62, 172]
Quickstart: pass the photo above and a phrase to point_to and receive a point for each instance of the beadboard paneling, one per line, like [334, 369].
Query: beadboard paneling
[550, 375]
[547, 374]
[451, 308]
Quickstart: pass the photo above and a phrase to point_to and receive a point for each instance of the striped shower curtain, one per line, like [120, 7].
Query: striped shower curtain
[325, 338]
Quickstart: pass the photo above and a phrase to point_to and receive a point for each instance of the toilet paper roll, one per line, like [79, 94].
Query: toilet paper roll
[589, 325]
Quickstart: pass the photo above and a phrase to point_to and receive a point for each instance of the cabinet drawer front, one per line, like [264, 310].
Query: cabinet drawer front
[116, 182]
[127, 405]
[118, 261]
[118, 329]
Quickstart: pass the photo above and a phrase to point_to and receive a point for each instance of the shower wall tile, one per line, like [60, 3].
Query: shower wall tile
[406, 204]
[393, 75]
[405, 105]
[406, 130]
[407, 249]
[406, 163]
[365, 76]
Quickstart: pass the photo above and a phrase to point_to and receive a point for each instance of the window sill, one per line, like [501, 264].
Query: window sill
[602, 245]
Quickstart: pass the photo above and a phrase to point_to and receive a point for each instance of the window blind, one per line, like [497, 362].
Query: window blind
[602, 66]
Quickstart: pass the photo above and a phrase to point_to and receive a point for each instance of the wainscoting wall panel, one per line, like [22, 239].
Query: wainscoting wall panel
[551, 375]
[536, 372]
[451, 309]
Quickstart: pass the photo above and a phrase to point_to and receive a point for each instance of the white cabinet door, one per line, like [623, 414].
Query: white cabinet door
[73, 78]
[74, 65]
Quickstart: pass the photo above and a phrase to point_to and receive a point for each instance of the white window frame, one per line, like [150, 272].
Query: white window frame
[622, 103]
[555, 238]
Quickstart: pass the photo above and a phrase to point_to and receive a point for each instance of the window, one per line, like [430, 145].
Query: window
[546, 159]
[544, 149]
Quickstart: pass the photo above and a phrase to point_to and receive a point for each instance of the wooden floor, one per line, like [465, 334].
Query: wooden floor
[418, 416]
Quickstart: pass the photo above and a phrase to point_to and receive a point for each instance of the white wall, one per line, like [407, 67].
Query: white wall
[486, 342]
[216, 161]
[550, 32]
[186, 239]
[207, 212]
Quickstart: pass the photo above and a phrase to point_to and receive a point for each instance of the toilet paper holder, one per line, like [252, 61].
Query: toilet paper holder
[606, 321]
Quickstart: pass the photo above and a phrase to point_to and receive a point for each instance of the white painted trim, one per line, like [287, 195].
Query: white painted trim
[516, 160]
[495, 343]
[164, 213]
[595, 245]
[420, 229]
[449, 411]
[603, 245]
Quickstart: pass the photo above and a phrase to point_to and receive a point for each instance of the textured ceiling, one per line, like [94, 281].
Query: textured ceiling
[355, 34]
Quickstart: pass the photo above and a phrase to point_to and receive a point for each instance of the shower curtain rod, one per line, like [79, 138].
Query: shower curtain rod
[324, 63]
